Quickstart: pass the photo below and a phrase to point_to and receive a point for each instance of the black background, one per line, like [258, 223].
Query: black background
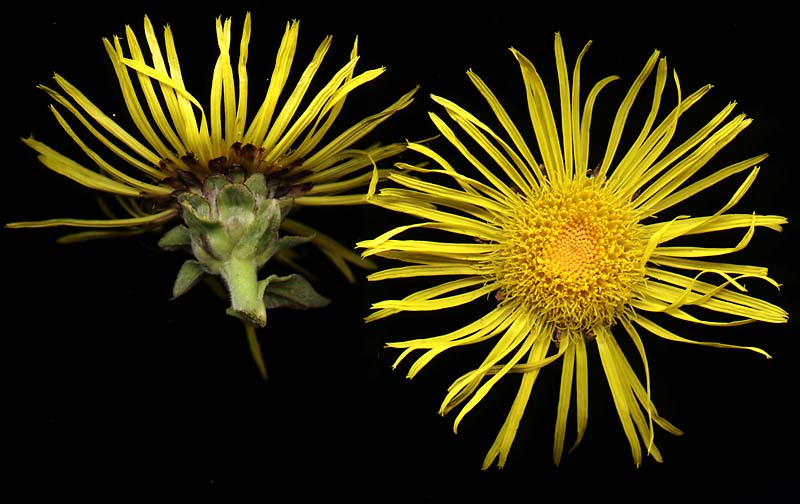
[114, 388]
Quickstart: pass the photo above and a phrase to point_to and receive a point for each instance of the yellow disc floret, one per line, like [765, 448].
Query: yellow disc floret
[571, 255]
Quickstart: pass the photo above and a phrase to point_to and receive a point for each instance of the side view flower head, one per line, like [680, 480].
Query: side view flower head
[231, 179]
[570, 247]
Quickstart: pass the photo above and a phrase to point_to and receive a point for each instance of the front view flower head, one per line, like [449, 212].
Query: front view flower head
[232, 181]
[570, 246]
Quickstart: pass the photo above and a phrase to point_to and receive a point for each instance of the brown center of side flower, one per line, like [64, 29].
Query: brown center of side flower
[189, 173]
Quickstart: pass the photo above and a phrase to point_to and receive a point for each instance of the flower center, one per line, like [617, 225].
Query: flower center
[574, 249]
[572, 255]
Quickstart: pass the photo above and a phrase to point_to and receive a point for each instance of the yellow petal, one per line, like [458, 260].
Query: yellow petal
[664, 333]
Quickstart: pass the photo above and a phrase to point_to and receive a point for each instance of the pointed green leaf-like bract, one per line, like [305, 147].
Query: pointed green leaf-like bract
[176, 238]
[292, 291]
[188, 276]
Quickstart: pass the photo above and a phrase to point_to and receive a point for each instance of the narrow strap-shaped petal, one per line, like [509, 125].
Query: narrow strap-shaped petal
[131, 100]
[622, 115]
[543, 121]
[564, 394]
[433, 303]
[711, 224]
[711, 266]
[711, 251]
[154, 219]
[146, 83]
[565, 98]
[646, 164]
[581, 391]
[579, 150]
[453, 250]
[502, 444]
[125, 156]
[470, 185]
[418, 270]
[626, 167]
[685, 290]
[487, 173]
[350, 136]
[97, 159]
[424, 299]
[482, 329]
[667, 183]
[420, 257]
[336, 90]
[466, 184]
[168, 91]
[255, 349]
[325, 119]
[346, 162]
[338, 200]
[448, 196]
[109, 125]
[530, 168]
[339, 186]
[90, 178]
[284, 118]
[654, 163]
[196, 134]
[628, 378]
[664, 333]
[517, 339]
[637, 341]
[260, 125]
[582, 162]
[383, 238]
[619, 392]
[241, 106]
[222, 89]
[653, 304]
[706, 183]
[473, 127]
[455, 223]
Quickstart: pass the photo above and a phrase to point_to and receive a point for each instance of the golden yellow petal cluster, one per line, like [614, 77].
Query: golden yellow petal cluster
[173, 140]
[569, 247]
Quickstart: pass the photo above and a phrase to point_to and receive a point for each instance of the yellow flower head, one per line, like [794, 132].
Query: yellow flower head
[179, 143]
[231, 177]
[570, 246]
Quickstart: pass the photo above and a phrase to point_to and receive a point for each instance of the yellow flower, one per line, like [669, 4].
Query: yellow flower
[177, 139]
[570, 246]
[232, 180]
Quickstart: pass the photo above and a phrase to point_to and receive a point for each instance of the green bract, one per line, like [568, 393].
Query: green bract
[231, 228]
